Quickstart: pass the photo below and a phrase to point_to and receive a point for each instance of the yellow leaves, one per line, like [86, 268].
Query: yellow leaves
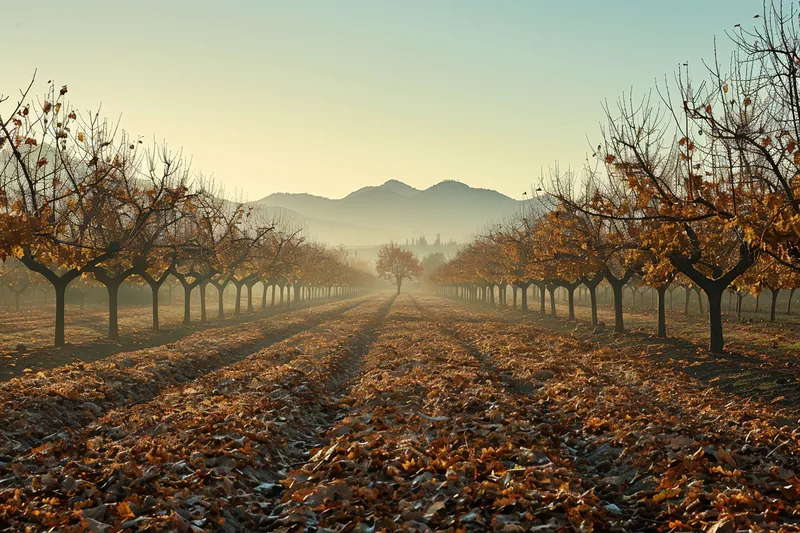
[597, 424]
[725, 88]
[81, 136]
[47, 107]
[124, 511]
[667, 494]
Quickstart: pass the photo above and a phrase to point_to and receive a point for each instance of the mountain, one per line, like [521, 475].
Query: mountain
[396, 211]
[391, 186]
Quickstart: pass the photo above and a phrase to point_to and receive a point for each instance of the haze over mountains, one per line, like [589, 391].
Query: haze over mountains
[395, 211]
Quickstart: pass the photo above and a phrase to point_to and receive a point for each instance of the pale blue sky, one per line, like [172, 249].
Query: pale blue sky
[328, 96]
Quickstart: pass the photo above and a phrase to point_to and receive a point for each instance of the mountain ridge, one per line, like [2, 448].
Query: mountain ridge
[394, 210]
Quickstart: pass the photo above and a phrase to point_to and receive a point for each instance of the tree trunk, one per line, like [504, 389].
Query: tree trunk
[593, 303]
[688, 291]
[619, 325]
[739, 298]
[514, 296]
[187, 304]
[552, 290]
[789, 305]
[662, 314]
[17, 295]
[61, 292]
[717, 343]
[399, 284]
[250, 297]
[571, 302]
[264, 295]
[774, 303]
[700, 300]
[617, 288]
[154, 288]
[221, 300]
[237, 310]
[758, 301]
[203, 316]
[524, 301]
[113, 310]
[281, 300]
[272, 301]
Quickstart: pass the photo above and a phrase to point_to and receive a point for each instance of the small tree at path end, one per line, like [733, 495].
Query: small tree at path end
[396, 264]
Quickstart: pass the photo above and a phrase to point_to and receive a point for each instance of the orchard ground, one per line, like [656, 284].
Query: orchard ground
[407, 412]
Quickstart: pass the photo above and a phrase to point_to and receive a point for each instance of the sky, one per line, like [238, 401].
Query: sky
[327, 96]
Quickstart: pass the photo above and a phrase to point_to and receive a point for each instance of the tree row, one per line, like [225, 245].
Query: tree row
[81, 198]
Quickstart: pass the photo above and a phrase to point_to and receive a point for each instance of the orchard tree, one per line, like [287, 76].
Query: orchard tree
[57, 183]
[396, 264]
[142, 206]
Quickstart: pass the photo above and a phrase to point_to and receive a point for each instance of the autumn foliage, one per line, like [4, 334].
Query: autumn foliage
[696, 181]
[397, 264]
[80, 198]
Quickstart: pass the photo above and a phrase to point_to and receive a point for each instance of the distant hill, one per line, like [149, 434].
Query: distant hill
[390, 187]
[396, 211]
